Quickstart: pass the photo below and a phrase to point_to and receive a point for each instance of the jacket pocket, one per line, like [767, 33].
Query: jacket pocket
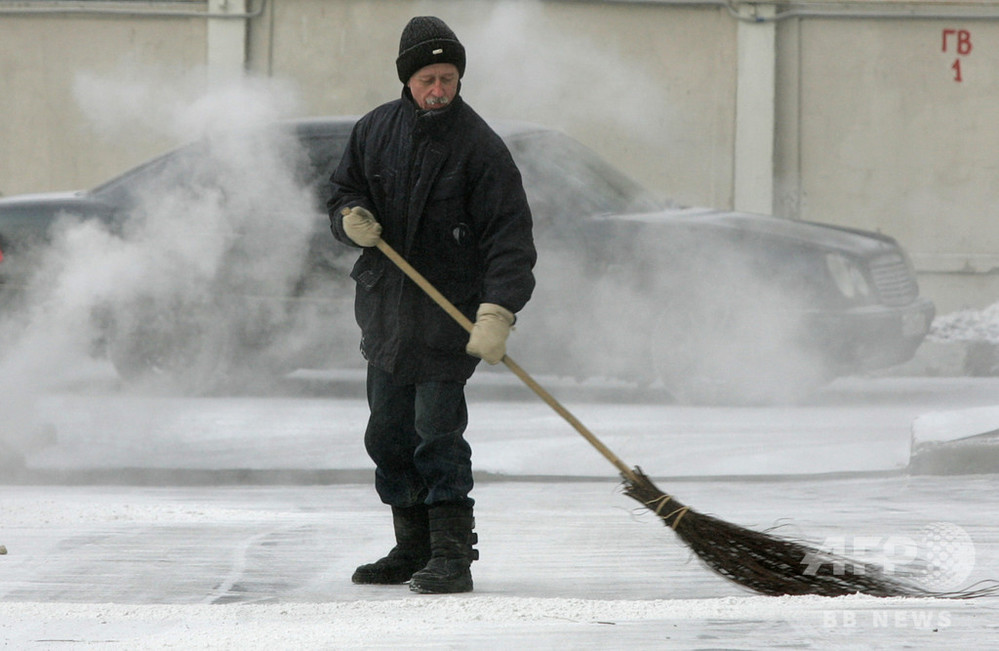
[446, 203]
[382, 187]
[368, 271]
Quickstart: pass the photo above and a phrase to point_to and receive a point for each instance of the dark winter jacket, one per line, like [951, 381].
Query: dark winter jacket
[450, 199]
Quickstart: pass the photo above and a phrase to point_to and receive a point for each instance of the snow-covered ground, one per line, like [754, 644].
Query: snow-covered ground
[146, 522]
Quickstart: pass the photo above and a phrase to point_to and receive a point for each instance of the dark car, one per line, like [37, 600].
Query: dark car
[720, 306]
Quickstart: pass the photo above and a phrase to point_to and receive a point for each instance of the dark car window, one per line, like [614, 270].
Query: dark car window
[324, 154]
[565, 180]
[165, 169]
[313, 159]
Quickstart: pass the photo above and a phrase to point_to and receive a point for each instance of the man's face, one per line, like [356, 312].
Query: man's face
[434, 86]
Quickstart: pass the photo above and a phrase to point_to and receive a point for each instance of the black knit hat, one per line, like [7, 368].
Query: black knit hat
[427, 40]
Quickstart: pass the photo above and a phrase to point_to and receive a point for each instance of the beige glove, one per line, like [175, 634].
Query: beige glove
[492, 327]
[360, 225]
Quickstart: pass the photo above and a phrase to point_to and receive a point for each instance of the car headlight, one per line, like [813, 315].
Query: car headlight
[847, 276]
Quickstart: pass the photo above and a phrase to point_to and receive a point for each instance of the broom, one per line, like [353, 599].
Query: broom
[762, 562]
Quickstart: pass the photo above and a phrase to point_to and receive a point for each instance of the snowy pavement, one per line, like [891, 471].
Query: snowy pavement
[145, 522]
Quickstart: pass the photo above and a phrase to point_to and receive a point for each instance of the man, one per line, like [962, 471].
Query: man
[426, 174]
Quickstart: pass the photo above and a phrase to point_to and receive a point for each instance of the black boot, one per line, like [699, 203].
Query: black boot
[451, 540]
[411, 553]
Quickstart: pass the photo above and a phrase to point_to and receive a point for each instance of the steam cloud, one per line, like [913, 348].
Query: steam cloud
[236, 222]
[525, 65]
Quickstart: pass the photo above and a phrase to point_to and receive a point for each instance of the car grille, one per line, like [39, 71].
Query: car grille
[893, 280]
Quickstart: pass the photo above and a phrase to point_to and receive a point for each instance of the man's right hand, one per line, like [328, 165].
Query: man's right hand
[360, 226]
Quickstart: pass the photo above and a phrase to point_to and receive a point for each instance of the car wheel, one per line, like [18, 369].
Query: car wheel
[186, 350]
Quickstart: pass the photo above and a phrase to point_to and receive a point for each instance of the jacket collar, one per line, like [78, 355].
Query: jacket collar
[433, 120]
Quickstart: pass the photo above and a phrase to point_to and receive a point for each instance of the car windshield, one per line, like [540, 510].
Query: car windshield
[564, 179]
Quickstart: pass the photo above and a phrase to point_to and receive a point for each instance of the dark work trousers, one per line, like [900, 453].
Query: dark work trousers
[415, 436]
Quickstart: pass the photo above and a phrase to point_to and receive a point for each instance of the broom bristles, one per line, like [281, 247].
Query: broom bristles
[773, 565]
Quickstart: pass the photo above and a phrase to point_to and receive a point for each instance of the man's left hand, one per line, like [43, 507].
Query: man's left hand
[489, 334]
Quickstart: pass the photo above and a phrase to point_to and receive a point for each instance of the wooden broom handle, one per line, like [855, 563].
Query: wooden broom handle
[467, 324]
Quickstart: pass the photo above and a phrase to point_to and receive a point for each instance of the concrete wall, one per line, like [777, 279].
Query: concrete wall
[886, 125]
[858, 111]
[46, 140]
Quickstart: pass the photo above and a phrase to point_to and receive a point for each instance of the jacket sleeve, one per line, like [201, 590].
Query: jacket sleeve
[350, 186]
[506, 239]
